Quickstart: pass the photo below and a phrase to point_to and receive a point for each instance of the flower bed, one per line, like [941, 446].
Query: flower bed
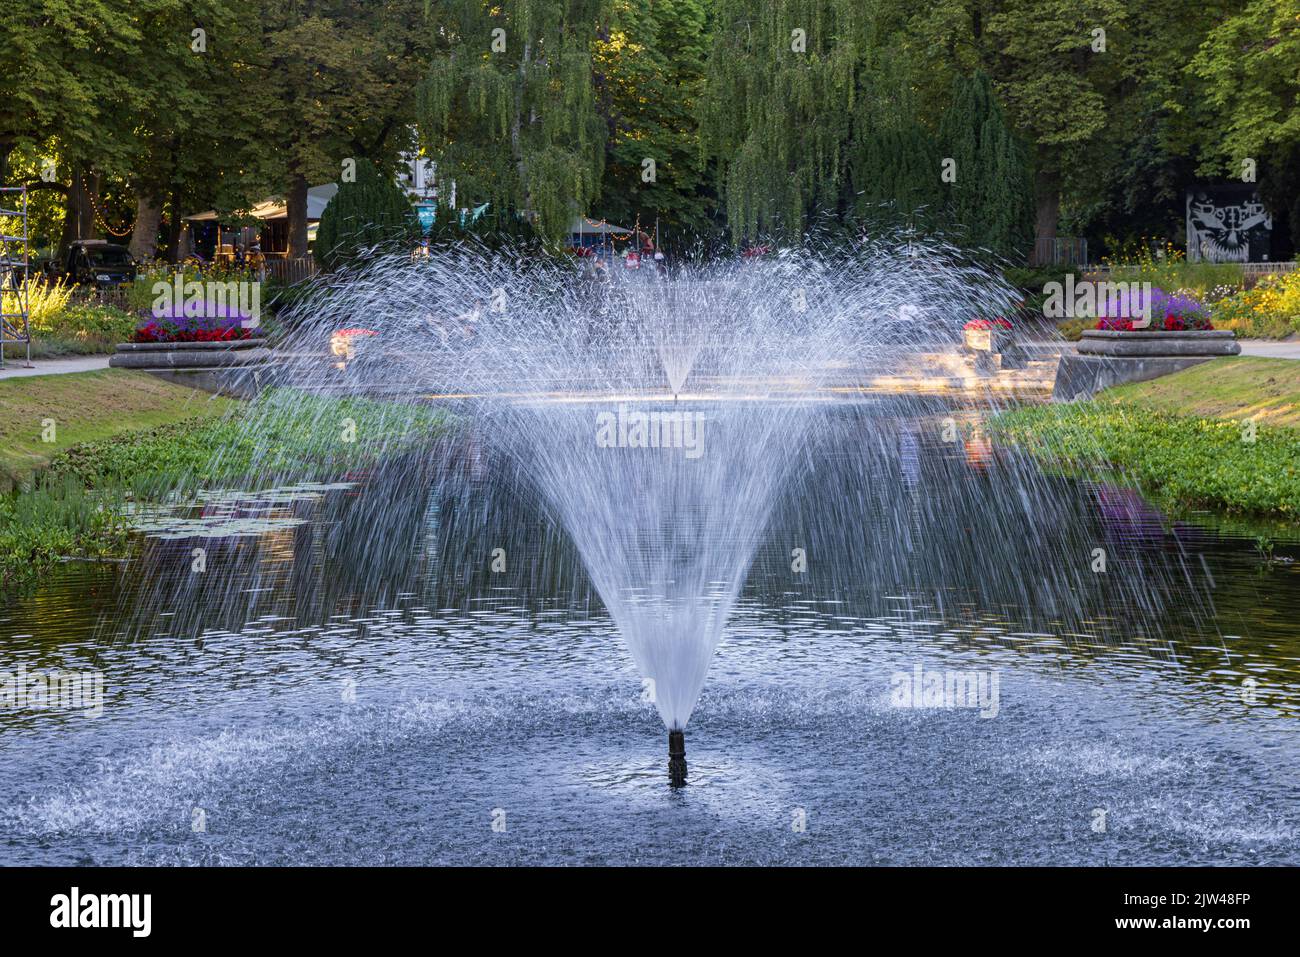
[999, 323]
[1270, 310]
[1169, 312]
[223, 329]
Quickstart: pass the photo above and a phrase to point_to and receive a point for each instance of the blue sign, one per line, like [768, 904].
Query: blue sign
[427, 212]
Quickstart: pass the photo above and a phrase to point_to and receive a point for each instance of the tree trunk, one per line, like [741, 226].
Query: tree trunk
[1047, 201]
[177, 248]
[298, 217]
[144, 237]
[516, 138]
[79, 214]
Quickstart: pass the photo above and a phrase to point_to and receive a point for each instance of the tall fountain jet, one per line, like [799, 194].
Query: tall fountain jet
[658, 421]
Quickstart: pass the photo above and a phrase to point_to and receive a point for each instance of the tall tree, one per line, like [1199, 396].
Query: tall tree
[508, 108]
[332, 82]
[782, 80]
[1057, 67]
[649, 76]
[1251, 63]
[68, 70]
[197, 69]
[987, 189]
[368, 213]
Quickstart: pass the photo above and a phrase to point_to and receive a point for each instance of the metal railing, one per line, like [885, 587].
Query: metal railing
[1251, 273]
[289, 271]
[1060, 251]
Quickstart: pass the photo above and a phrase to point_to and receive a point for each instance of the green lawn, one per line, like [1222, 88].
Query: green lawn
[1242, 387]
[123, 436]
[86, 407]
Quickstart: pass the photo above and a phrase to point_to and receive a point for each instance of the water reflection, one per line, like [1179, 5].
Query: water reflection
[1167, 684]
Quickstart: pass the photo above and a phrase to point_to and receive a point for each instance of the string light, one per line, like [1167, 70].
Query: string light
[99, 213]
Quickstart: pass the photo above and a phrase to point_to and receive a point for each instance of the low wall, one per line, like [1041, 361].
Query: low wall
[240, 382]
[238, 369]
[1083, 376]
[1105, 358]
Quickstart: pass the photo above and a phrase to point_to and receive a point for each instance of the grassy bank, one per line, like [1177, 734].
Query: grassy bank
[1240, 387]
[127, 437]
[42, 416]
[1224, 435]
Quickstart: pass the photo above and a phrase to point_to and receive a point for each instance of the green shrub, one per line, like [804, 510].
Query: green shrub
[1171, 272]
[370, 212]
[1269, 310]
[45, 300]
[83, 328]
[1072, 329]
[1182, 461]
[58, 518]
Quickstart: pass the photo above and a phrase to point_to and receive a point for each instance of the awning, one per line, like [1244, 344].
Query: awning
[318, 197]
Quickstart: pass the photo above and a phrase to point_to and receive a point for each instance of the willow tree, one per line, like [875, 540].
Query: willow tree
[508, 108]
[782, 85]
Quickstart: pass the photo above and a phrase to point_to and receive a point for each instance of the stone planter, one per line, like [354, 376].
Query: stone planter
[993, 339]
[189, 355]
[1105, 358]
[1145, 344]
[235, 368]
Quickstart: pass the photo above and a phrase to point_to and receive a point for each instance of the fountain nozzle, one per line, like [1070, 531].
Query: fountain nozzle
[676, 758]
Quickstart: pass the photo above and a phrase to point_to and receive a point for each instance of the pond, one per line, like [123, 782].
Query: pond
[926, 665]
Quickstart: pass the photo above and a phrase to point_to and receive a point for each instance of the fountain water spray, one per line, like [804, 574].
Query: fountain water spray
[658, 420]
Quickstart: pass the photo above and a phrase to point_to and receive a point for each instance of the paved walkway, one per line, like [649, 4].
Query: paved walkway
[1266, 347]
[14, 367]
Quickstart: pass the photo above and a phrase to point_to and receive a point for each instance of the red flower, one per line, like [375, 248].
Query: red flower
[1000, 322]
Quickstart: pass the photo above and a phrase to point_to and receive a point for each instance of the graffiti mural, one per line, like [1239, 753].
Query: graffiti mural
[1227, 224]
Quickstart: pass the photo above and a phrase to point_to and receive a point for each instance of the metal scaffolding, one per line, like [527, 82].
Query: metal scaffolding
[15, 262]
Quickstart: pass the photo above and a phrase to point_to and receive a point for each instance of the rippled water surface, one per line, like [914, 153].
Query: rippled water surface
[358, 686]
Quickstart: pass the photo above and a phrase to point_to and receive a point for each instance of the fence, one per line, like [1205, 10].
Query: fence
[289, 271]
[1060, 251]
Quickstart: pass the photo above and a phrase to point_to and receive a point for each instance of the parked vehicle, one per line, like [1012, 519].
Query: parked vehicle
[94, 262]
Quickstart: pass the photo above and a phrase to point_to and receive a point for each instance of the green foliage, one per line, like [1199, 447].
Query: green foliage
[778, 108]
[1184, 462]
[286, 435]
[895, 177]
[516, 127]
[82, 327]
[368, 215]
[1268, 310]
[59, 518]
[841, 130]
[494, 229]
[45, 300]
[988, 201]
[1114, 107]
[61, 321]
[649, 76]
[78, 506]
[1251, 64]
